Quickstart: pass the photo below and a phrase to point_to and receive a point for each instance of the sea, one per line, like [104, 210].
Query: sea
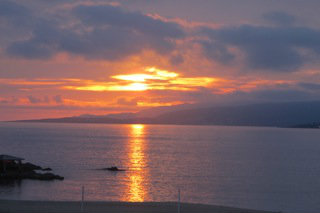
[274, 169]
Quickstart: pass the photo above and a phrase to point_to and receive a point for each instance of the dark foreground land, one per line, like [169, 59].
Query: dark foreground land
[11, 168]
[8, 206]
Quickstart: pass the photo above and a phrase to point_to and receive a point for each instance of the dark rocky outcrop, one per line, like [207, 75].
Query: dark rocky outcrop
[30, 167]
[113, 168]
[16, 171]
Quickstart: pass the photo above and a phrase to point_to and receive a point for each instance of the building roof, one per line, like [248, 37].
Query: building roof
[9, 157]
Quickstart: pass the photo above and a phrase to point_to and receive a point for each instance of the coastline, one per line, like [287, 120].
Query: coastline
[24, 206]
[155, 124]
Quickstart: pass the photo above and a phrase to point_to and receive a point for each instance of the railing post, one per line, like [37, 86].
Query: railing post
[179, 205]
[82, 199]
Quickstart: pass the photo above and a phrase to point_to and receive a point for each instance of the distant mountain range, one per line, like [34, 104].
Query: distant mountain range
[292, 114]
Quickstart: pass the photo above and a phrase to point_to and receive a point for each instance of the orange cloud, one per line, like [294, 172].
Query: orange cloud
[152, 79]
[157, 104]
[96, 87]
[30, 82]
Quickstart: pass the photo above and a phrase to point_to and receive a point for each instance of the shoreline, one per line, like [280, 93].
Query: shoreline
[24, 206]
[165, 124]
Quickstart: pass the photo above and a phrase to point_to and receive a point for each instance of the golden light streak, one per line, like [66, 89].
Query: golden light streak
[136, 191]
[96, 88]
[111, 87]
[131, 87]
[196, 82]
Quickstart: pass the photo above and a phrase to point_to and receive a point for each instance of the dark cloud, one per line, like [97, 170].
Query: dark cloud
[11, 100]
[108, 15]
[34, 100]
[58, 99]
[217, 51]
[176, 59]
[45, 41]
[104, 32]
[283, 49]
[127, 102]
[277, 95]
[310, 86]
[280, 18]
[259, 96]
[31, 49]
[110, 32]
[14, 13]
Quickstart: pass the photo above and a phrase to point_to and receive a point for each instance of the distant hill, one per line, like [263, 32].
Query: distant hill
[290, 114]
[308, 126]
[270, 114]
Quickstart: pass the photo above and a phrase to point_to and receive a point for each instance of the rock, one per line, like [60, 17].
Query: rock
[30, 167]
[27, 171]
[113, 168]
[30, 175]
[49, 176]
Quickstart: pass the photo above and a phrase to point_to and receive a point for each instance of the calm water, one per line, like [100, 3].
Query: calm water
[259, 168]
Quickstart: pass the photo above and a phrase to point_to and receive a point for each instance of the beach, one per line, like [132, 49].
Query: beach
[16, 206]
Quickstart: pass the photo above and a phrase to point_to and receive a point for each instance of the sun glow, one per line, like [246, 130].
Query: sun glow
[163, 80]
[151, 79]
[137, 87]
[129, 87]
[111, 87]
[137, 129]
[96, 88]
[156, 74]
[134, 77]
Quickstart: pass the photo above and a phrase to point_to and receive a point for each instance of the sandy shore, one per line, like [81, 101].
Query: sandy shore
[7, 206]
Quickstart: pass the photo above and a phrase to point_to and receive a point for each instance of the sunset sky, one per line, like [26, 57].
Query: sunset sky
[64, 58]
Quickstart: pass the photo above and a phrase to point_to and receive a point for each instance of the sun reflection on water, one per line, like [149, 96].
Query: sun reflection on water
[137, 192]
